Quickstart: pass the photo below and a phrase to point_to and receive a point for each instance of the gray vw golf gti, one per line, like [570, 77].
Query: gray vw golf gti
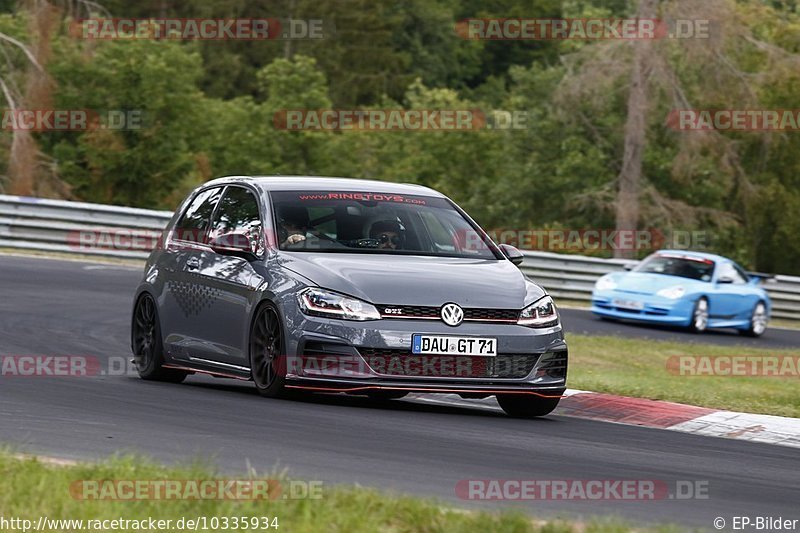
[343, 285]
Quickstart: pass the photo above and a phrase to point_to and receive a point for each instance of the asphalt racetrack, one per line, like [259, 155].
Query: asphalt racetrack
[54, 307]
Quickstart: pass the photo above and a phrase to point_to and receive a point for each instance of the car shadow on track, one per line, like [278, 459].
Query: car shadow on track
[683, 332]
[345, 400]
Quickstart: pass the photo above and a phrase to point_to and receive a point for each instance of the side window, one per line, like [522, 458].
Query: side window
[193, 224]
[727, 270]
[238, 213]
[741, 272]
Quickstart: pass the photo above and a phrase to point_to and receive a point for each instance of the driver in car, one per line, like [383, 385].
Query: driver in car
[390, 234]
[292, 225]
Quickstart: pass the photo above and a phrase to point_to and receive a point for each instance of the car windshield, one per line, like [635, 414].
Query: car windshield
[673, 265]
[367, 222]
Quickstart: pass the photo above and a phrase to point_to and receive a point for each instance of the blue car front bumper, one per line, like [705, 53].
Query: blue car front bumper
[641, 307]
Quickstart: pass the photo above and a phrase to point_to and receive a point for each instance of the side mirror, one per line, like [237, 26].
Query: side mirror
[513, 254]
[235, 244]
[725, 279]
[629, 266]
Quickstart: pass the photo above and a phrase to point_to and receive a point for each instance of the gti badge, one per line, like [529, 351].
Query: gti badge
[452, 314]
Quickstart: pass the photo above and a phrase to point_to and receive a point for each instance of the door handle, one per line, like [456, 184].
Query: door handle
[193, 263]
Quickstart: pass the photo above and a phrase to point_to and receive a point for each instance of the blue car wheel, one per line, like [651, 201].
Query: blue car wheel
[758, 321]
[699, 322]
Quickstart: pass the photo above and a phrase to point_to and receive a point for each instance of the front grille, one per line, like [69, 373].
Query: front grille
[654, 311]
[627, 310]
[409, 311]
[509, 315]
[402, 363]
[471, 314]
[553, 365]
[325, 349]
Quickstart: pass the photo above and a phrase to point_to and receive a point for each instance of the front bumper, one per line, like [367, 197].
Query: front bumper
[654, 309]
[330, 355]
[477, 389]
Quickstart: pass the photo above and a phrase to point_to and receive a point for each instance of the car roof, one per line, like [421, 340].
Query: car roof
[697, 255]
[322, 183]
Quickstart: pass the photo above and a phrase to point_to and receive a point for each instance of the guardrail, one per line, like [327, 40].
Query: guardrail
[104, 230]
[77, 227]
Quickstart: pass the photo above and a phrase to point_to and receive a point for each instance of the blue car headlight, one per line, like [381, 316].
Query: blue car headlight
[319, 302]
[606, 283]
[540, 314]
[673, 293]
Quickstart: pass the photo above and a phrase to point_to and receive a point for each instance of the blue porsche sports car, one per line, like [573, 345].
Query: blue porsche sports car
[690, 289]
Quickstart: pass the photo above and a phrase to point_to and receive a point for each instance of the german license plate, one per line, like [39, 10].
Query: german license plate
[629, 304]
[447, 345]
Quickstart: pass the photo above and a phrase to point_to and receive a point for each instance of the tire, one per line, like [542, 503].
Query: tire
[147, 344]
[526, 405]
[267, 352]
[699, 320]
[758, 321]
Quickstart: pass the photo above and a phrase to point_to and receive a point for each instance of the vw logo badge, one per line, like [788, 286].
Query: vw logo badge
[452, 314]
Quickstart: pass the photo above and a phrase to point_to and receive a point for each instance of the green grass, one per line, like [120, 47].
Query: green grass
[30, 488]
[784, 323]
[636, 367]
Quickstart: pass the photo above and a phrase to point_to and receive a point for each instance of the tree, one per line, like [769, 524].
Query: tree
[668, 74]
[23, 152]
[141, 164]
[630, 177]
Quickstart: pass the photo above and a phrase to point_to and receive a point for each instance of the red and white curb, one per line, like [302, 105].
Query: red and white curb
[655, 414]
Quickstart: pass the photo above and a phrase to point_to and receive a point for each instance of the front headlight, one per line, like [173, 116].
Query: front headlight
[605, 284]
[540, 314]
[673, 293]
[319, 302]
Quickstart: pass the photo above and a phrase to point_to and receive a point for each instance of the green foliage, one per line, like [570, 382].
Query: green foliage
[137, 166]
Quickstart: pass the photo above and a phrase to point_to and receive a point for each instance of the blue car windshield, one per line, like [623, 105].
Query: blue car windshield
[682, 266]
[382, 223]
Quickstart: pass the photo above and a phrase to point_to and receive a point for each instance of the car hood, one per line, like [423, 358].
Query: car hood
[417, 280]
[644, 283]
